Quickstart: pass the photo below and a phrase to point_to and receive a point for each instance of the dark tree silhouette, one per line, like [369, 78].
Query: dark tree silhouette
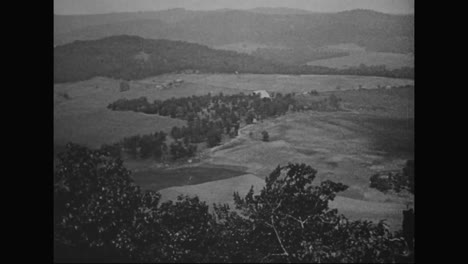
[265, 136]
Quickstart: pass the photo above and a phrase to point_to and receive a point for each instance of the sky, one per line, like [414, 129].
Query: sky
[68, 7]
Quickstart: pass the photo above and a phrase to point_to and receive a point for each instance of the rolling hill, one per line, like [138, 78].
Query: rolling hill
[131, 57]
[293, 29]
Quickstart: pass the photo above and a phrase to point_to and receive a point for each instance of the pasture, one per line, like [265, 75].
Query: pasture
[159, 178]
[354, 59]
[374, 132]
[81, 116]
[85, 119]
[221, 192]
[232, 83]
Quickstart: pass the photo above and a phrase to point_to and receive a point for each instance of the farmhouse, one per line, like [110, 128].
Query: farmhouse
[262, 93]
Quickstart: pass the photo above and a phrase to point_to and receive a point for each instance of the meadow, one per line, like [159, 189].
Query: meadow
[81, 116]
[347, 146]
[390, 60]
[373, 132]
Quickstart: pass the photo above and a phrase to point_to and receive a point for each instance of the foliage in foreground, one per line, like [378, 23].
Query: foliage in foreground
[397, 182]
[99, 214]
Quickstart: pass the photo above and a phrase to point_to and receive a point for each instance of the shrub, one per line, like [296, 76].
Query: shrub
[100, 215]
[265, 136]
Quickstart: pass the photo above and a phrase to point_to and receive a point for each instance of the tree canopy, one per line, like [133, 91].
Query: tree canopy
[100, 215]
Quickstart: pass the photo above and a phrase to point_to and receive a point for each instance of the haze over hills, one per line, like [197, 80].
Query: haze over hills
[133, 57]
[68, 23]
[263, 26]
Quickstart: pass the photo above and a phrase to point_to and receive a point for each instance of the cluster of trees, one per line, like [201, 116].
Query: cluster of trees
[209, 117]
[117, 57]
[100, 215]
[397, 181]
[362, 70]
[227, 108]
[183, 149]
[151, 146]
[265, 136]
[146, 146]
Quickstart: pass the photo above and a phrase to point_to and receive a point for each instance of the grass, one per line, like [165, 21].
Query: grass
[157, 179]
[85, 119]
[390, 60]
[220, 191]
[342, 146]
[231, 83]
[95, 128]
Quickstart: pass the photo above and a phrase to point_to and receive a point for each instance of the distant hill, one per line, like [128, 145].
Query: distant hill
[131, 57]
[273, 27]
[67, 23]
[279, 10]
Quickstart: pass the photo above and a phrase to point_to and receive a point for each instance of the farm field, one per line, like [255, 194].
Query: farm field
[390, 60]
[221, 192]
[83, 117]
[231, 83]
[344, 147]
[246, 47]
[158, 179]
[374, 133]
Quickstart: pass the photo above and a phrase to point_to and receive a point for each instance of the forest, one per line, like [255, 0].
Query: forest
[208, 117]
[131, 58]
[100, 214]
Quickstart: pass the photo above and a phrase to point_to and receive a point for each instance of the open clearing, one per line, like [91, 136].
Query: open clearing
[246, 47]
[221, 192]
[390, 60]
[359, 55]
[376, 132]
[84, 118]
[272, 82]
[157, 179]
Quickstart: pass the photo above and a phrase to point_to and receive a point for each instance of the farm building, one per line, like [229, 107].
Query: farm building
[262, 93]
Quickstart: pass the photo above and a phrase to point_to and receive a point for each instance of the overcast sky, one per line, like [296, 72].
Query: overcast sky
[65, 7]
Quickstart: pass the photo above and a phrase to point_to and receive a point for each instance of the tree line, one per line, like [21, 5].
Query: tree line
[209, 118]
[118, 57]
[101, 215]
[396, 181]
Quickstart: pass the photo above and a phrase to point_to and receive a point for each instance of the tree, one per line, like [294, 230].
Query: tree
[100, 215]
[250, 117]
[111, 150]
[131, 145]
[408, 172]
[334, 101]
[213, 137]
[265, 136]
[290, 221]
[97, 210]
